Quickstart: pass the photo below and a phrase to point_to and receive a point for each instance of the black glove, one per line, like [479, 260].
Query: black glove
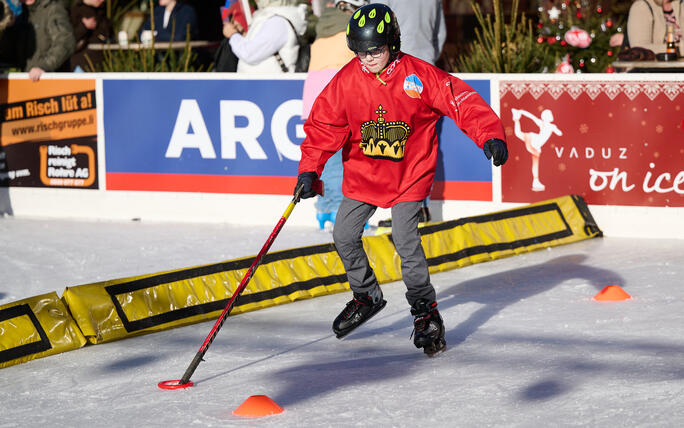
[306, 181]
[497, 149]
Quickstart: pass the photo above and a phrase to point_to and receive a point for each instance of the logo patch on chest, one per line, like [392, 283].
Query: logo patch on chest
[384, 140]
[413, 86]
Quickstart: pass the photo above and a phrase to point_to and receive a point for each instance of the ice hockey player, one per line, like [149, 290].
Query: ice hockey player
[381, 110]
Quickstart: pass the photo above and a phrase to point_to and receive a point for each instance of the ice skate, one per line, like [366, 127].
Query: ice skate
[359, 310]
[323, 219]
[516, 114]
[537, 186]
[428, 327]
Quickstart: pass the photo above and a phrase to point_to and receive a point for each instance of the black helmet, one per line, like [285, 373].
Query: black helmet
[372, 26]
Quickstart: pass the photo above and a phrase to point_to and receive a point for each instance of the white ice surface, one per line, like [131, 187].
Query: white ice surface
[527, 346]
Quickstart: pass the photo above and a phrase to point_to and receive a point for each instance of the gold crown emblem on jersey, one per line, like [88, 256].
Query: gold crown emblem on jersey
[384, 140]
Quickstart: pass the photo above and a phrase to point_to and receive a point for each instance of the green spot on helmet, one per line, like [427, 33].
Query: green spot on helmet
[374, 25]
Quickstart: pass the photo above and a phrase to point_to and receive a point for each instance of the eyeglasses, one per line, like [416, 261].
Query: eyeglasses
[375, 53]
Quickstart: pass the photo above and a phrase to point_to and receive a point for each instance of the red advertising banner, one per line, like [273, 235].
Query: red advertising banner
[612, 142]
[48, 133]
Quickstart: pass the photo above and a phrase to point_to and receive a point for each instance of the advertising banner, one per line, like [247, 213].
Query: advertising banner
[48, 133]
[239, 136]
[612, 142]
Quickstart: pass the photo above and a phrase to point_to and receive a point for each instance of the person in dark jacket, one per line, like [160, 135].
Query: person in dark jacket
[40, 40]
[91, 25]
[171, 21]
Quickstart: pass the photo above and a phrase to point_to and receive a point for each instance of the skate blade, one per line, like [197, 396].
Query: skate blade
[431, 351]
[342, 334]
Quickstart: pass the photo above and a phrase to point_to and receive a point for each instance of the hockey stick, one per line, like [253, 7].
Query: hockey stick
[184, 382]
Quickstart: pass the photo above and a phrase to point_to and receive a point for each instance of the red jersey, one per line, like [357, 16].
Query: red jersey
[385, 125]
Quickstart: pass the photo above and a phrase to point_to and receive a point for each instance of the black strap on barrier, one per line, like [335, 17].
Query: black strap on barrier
[30, 348]
[186, 274]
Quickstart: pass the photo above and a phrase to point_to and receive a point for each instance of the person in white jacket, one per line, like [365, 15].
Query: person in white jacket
[268, 33]
[423, 27]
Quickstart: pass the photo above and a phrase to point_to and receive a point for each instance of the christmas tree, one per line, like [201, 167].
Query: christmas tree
[578, 32]
[504, 43]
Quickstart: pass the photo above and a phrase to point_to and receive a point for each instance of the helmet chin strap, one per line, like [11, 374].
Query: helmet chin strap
[391, 59]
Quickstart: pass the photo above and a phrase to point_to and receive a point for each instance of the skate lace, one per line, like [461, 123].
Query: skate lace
[352, 306]
[420, 324]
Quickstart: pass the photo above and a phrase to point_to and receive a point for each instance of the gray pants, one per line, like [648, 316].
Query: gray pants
[351, 217]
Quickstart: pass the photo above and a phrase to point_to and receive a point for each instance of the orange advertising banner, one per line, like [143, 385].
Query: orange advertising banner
[48, 133]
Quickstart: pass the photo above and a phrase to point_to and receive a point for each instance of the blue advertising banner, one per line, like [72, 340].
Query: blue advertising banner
[239, 136]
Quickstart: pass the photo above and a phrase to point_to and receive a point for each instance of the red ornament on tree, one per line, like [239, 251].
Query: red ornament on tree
[610, 69]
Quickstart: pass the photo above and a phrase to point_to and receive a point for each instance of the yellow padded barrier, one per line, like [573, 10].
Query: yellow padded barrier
[465, 241]
[36, 327]
[119, 308]
[115, 309]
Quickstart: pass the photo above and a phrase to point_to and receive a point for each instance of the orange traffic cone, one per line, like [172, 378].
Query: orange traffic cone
[612, 293]
[257, 406]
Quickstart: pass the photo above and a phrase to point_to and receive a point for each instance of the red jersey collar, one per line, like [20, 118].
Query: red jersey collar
[387, 72]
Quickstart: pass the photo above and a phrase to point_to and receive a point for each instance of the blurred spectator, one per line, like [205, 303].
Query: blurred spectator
[329, 53]
[7, 11]
[171, 21]
[91, 25]
[422, 25]
[318, 6]
[269, 34]
[40, 40]
[647, 24]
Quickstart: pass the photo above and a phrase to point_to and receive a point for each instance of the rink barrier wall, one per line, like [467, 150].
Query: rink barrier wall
[120, 308]
[36, 327]
[214, 141]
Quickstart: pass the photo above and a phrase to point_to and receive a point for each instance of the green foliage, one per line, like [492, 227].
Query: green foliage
[587, 15]
[149, 59]
[501, 47]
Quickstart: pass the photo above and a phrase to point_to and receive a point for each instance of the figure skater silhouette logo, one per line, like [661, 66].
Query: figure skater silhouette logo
[535, 141]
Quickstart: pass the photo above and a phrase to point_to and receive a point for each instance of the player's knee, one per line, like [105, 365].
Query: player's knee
[342, 238]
